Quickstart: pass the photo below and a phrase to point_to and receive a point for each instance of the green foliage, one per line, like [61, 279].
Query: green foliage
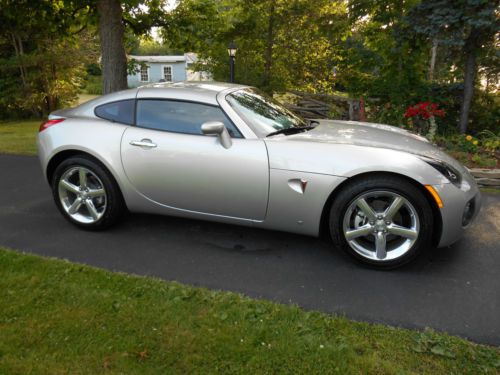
[485, 112]
[387, 113]
[93, 69]
[281, 44]
[482, 150]
[453, 22]
[490, 141]
[150, 47]
[482, 161]
[41, 60]
[373, 48]
[432, 343]
[45, 47]
[467, 143]
[466, 27]
[379, 61]
[93, 85]
[378, 49]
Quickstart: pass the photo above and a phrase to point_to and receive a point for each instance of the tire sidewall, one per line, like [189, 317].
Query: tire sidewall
[394, 185]
[113, 198]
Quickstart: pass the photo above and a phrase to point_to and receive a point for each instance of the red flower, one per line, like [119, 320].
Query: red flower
[425, 110]
[439, 113]
[411, 112]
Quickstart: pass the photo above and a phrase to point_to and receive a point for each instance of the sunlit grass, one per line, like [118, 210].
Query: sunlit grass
[19, 137]
[82, 98]
[58, 317]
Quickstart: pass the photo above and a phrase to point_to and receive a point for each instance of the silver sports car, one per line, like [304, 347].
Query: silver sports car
[228, 153]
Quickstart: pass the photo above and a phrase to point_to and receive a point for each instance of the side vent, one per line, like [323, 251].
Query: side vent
[298, 184]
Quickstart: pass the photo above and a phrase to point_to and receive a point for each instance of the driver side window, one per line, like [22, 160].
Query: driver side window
[180, 117]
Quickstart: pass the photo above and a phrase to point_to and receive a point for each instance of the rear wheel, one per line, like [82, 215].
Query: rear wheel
[86, 193]
[382, 221]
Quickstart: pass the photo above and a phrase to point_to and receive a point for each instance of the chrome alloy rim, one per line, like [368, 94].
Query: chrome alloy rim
[381, 225]
[82, 195]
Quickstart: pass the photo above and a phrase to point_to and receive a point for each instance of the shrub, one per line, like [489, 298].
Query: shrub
[93, 85]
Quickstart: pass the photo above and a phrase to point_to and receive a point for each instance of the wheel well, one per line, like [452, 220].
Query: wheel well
[63, 155]
[60, 157]
[324, 226]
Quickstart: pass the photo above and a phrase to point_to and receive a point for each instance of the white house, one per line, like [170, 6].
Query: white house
[192, 75]
[166, 69]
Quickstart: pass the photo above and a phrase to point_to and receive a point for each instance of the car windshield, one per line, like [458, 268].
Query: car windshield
[264, 114]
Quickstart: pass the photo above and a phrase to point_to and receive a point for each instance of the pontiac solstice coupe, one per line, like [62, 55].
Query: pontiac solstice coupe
[228, 153]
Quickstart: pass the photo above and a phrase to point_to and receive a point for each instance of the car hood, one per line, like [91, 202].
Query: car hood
[372, 135]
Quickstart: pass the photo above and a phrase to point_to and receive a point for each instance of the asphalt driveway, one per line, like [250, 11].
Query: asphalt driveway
[455, 289]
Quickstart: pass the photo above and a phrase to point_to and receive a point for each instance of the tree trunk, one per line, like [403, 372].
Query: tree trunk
[113, 57]
[268, 56]
[433, 59]
[18, 48]
[469, 77]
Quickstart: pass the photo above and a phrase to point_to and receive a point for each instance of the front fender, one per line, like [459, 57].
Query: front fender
[346, 160]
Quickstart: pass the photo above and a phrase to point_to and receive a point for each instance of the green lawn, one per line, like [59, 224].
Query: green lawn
[19, 137]
[58, 317]
[82, 98]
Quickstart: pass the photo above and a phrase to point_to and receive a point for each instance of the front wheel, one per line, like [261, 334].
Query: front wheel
[382, 221]
[86, 193]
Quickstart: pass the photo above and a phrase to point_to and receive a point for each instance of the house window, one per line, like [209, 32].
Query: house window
[144, 73]
[167, 73]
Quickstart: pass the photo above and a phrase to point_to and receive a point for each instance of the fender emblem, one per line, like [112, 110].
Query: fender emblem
[298, 184]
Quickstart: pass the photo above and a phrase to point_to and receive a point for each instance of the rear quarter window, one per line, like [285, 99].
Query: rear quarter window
[121, 111]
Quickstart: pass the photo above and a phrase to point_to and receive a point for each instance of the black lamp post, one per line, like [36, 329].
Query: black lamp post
[231, 50]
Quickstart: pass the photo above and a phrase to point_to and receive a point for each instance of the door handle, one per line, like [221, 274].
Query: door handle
[145, 143]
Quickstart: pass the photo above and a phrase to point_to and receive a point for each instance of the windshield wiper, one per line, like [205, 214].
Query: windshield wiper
[294, 130]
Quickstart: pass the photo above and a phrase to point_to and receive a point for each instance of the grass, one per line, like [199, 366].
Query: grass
[93, 85]
[82, 98]
[19, 137]
[490, 190]
[58, 317]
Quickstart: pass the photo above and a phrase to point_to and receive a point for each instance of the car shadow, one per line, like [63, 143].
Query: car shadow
[248, 241]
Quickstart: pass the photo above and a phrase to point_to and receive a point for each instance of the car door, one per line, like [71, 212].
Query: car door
[168, 159]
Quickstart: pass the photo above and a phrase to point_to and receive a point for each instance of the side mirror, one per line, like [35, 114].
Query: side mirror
[217, 128]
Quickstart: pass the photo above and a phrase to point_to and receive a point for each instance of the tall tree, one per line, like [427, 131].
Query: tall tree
[467, 24]
[382, 60]
[268, 56]
[113, 57]
[113, 17]
[41, 55]
[282, 44]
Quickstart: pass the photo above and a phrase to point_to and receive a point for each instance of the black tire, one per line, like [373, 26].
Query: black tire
[115, 206]
[392, 184]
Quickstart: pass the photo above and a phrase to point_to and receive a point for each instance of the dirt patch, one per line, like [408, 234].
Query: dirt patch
[486, 230]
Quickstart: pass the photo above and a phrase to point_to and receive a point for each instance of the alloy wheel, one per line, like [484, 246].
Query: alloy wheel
[381, 225]
[82, 195]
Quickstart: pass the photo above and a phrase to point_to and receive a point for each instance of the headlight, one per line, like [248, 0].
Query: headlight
[447, 171]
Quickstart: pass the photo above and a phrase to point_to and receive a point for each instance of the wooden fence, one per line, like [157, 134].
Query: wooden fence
[328, 106]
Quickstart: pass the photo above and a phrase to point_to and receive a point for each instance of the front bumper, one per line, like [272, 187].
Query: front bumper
[455, 200]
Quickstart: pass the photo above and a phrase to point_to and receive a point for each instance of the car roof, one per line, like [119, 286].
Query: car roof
[203, 91]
